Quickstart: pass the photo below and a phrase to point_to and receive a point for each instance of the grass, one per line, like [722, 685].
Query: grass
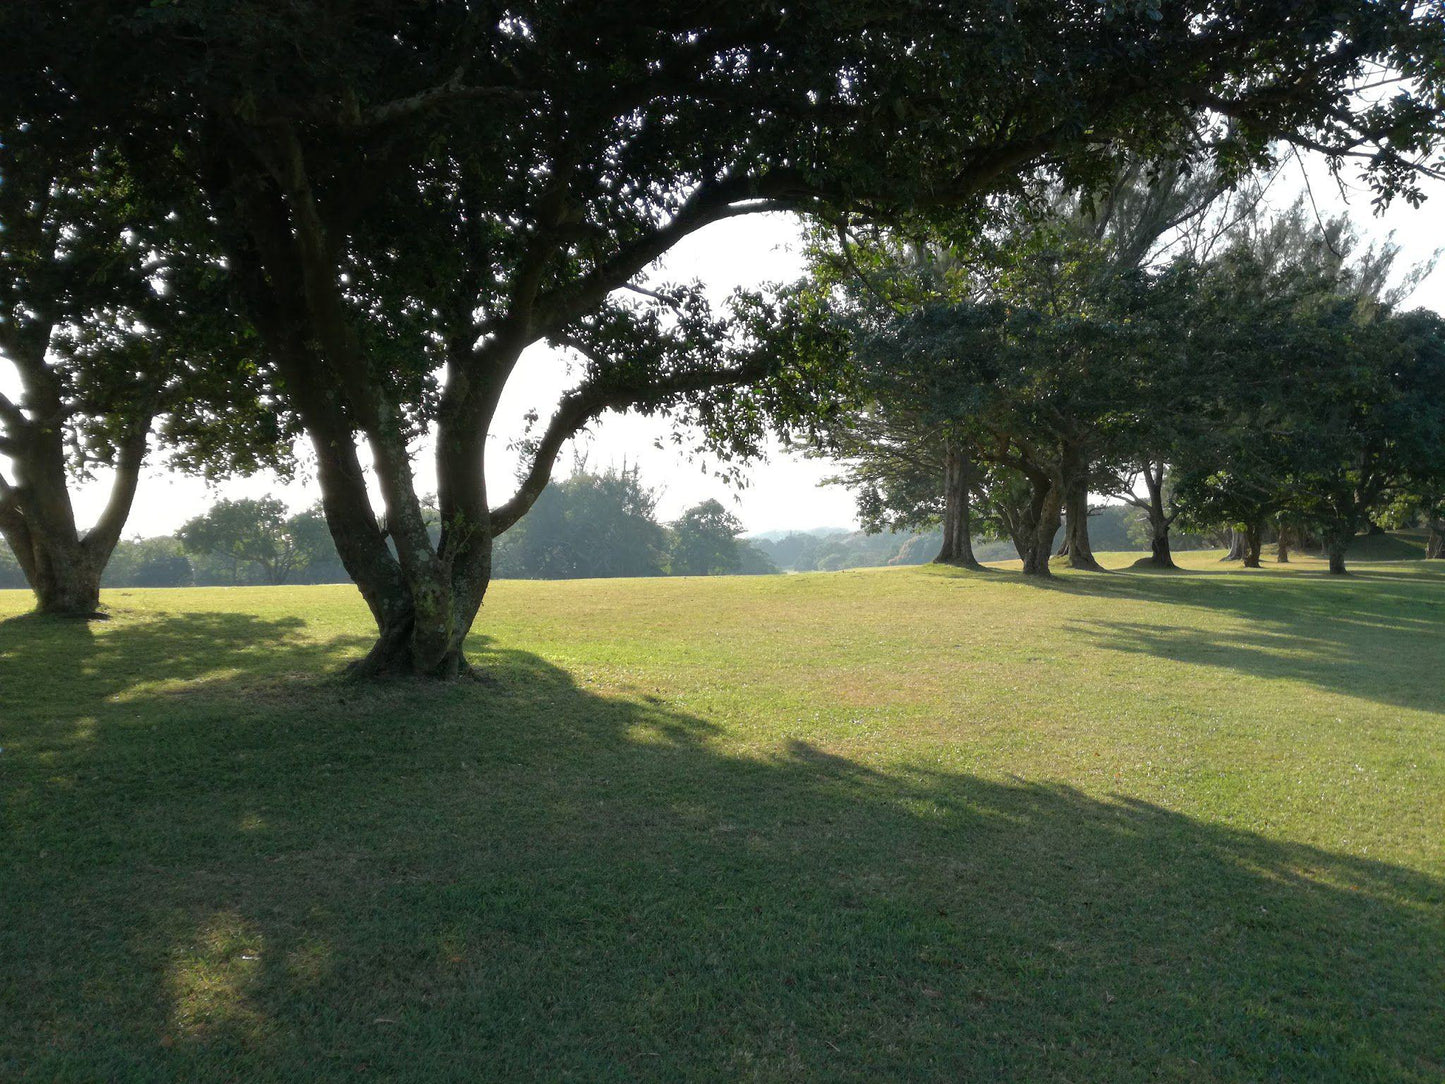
[883, 825]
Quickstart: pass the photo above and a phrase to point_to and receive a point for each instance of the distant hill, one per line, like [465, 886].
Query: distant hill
[816, 532]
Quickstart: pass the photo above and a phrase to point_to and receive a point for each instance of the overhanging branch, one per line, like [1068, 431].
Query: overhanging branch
[586, 402]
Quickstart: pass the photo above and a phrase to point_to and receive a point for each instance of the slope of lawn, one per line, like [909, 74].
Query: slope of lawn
[883, 825]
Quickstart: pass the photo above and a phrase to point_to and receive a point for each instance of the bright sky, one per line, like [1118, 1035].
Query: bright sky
[784, 491]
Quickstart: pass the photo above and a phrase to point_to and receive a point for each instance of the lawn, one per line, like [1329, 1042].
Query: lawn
[881, 825]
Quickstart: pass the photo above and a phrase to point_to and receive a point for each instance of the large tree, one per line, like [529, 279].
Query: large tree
[113, 332]
[260, 533]
[1370, 421]
[1323, 402]
[414, 195]
[906, 437]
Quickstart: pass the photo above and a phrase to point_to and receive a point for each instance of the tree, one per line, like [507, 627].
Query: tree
[908, 444]
[149, 562]
[114, 326]
[258, 532]
[703, 541]
[1326, 401]
[417, 195]
[1371, 420]
[588, 525]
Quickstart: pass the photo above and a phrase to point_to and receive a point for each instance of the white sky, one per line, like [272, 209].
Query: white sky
[784, 491]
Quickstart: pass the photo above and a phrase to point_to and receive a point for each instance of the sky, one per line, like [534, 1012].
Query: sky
[785, 490]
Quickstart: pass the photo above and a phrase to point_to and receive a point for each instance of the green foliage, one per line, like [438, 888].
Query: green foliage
[149, 562]
[1328, 406]
[408, 198]
[259, 533]
[703, 541]
[587, 526]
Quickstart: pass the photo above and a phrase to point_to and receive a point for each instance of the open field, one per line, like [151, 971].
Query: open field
[877, 825]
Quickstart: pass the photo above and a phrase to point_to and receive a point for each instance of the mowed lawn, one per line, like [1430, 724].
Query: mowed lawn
[881, 825]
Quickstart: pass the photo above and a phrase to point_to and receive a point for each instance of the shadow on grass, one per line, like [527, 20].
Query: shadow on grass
[1375, 634]
[252, 877]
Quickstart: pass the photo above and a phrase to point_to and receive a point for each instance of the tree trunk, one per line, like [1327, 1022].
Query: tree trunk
[1435, 540]
[1160, 555]
[957, 546]
[1253, 543]
[62, 565]
[1045, 515]
[1281, 546]
[1337, 541]
[1159, 520]
[1238, 545]
[1075, 529]
[67, 582]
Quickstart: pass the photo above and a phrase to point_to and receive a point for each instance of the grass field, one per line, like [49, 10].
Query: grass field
[881, 825]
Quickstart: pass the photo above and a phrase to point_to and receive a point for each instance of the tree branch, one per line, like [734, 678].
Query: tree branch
[12, 414]
[586, 402]
[453, 90]
[100, 540]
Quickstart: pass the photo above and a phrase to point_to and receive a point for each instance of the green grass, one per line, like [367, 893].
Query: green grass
[883, 825]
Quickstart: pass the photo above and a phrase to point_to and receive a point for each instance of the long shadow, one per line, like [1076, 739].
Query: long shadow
[1375, 634]
[248, 877]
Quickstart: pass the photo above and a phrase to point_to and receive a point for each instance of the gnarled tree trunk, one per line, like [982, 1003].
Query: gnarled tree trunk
[1238, 545]
[1337, 541]
[1253, 543]
[1076, 529]
[1160, 521]
[957, 546]
[62, 564]
[1040, 524]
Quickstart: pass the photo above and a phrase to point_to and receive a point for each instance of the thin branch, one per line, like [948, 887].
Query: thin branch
[586, 402]
[670, 302]
[12, 413]
[453, 90]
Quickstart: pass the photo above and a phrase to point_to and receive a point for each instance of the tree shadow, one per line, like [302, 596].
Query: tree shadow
[248, 876]
[1374, 634]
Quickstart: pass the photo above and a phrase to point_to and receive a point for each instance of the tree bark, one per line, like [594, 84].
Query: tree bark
[1435, 540]
[957, 546]
[1337, 541]
[1076, 528]
[1042, 524]
[1281, 545]
[1253, 543]
[62, 565]
[1160, 555]
[1238, 545]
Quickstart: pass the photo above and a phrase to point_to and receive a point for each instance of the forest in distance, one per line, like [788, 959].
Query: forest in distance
[592, 524]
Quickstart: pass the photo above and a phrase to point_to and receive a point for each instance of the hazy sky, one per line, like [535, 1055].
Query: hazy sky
[784, 491]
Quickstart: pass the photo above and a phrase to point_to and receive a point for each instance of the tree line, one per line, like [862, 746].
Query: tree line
[228, 226]
[589, 525]
[1259, 379]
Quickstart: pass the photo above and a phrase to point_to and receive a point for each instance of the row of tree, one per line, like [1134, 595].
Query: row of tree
[228, 224]
[588, 525]
[1258, 378]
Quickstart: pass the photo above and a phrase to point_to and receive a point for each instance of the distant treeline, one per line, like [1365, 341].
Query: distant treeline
[1112, 527]
[589, 525]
